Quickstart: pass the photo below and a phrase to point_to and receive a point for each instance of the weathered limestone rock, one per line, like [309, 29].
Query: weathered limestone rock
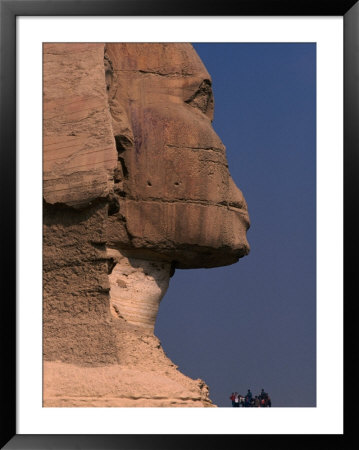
[145, 377]
[79, 150]
[118, 386]
[136, 184]
[136, 288]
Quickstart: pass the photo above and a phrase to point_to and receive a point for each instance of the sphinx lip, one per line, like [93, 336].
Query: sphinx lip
[243, 213]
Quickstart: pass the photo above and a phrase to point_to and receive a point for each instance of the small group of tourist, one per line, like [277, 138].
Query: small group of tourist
[248, 401]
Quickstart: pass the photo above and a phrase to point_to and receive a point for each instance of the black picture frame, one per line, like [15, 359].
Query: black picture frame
[9, 10]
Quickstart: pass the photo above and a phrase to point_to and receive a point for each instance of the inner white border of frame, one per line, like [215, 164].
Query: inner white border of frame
[327, 417]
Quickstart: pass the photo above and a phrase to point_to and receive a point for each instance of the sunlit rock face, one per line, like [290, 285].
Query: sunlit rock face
[135, 185]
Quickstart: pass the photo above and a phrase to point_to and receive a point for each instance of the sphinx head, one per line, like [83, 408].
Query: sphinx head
[174, 198]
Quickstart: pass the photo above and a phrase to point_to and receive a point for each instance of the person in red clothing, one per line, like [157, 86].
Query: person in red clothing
[232, 397]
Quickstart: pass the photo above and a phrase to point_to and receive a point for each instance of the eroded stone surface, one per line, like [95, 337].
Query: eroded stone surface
[114, 386]
[145, 377]
[136, 288]
[79, 149]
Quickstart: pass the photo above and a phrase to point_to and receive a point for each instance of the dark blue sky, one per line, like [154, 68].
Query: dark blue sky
[253, 324]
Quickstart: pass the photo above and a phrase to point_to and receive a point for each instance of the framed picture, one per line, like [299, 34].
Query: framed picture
[276, 74]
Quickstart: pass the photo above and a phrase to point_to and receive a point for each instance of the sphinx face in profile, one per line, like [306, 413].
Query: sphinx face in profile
[128, 140]
[172, 188]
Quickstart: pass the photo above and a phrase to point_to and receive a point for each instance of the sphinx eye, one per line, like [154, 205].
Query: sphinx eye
[202, 98]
